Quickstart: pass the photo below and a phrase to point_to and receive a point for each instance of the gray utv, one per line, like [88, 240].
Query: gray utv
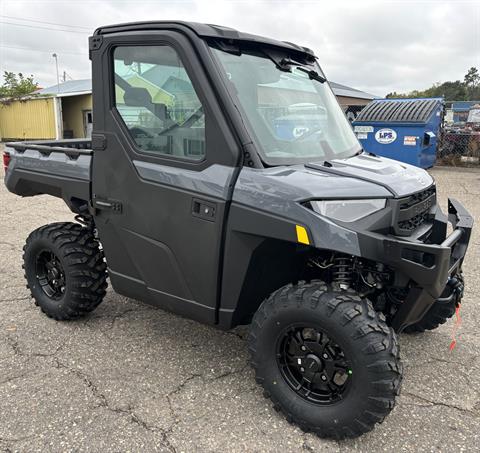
[224, 183]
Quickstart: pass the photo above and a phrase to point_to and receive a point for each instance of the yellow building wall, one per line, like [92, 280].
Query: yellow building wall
[72, 113]
[28, 119]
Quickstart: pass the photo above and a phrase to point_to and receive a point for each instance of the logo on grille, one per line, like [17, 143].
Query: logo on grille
[423, 206]
[421, 180]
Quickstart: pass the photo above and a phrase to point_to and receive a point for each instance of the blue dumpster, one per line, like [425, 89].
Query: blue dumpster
[401, 129]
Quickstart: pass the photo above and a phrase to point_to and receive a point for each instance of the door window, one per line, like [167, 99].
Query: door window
[157, 101]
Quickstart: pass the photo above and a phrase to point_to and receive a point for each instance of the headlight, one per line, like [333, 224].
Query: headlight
[348, 210]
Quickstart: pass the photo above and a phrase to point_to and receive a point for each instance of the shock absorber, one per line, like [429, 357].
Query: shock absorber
[342, 271]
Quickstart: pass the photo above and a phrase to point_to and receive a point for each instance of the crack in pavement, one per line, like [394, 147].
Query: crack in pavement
[105, 403]
[12, 440]
[177, 390]
[465, 374]
[18, 351]
[453, 362]
[113, 318]
[437, 403]
[18, 376]
[229, 373]
[118, 316]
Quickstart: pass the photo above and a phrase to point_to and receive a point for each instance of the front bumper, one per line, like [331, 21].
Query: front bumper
[428, 265]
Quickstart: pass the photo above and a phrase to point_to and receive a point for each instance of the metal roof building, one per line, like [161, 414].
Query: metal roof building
[351, 96]
[68, 88]
[65, 111]
[346, 95]
[59, 111]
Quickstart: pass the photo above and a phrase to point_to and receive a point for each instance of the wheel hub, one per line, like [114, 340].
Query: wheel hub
[50, 274]
[313, 365]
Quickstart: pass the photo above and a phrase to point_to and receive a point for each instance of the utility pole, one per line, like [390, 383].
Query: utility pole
[54, 55]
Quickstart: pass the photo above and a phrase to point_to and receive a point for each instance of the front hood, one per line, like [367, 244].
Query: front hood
[399, 178]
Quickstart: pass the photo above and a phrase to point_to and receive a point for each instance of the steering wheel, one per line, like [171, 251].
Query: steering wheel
[187, 123]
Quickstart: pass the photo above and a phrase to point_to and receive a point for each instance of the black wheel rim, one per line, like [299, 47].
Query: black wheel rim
[50, 274]
[313, 365]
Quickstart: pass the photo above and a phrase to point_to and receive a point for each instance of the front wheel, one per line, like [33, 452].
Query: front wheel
[326, 359]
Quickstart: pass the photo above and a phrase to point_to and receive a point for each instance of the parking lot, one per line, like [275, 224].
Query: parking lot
[131, 377]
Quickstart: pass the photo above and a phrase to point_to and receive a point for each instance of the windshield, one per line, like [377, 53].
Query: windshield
[294, 118]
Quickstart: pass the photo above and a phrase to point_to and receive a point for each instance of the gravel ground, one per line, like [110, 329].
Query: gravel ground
[131, 377]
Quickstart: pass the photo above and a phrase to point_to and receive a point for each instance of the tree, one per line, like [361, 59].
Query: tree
[451, 91]
[472, 77]
[17, 85]
[468, 90]
[472, 80]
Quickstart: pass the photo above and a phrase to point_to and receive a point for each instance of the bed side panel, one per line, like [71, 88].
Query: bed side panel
[62, 174]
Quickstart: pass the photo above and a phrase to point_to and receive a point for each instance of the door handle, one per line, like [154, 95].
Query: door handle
[204, 209]
[112, 205]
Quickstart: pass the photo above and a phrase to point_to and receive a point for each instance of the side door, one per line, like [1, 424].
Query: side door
[163, 166]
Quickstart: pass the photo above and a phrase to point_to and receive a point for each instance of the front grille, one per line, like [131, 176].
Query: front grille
[413, 223]
[417, 197]
[414, 211]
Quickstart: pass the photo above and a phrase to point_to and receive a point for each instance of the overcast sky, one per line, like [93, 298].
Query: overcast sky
[376, 46]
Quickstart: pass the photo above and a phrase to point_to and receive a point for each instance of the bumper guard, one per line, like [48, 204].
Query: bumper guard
[430, 266]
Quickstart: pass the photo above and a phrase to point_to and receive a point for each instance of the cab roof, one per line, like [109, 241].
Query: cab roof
[201, 30]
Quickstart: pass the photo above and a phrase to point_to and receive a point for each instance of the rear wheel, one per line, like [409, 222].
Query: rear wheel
[326, 359]
[65, 270]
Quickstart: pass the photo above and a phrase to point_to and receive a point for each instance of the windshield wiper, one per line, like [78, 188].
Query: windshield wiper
[285, 64]
[312, 74]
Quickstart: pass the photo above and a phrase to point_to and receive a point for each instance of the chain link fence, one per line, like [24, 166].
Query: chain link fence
[458, 147]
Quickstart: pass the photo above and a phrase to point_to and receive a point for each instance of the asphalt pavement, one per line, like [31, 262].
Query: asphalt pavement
[131, 377]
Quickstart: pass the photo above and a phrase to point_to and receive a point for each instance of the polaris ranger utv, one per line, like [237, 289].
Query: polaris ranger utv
[224, 183]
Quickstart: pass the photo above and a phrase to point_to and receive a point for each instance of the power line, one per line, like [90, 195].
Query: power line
[45, 28]
[47, 23]
[60, 52]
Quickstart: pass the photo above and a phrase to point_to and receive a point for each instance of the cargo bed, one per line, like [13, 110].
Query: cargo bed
[60, 168]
